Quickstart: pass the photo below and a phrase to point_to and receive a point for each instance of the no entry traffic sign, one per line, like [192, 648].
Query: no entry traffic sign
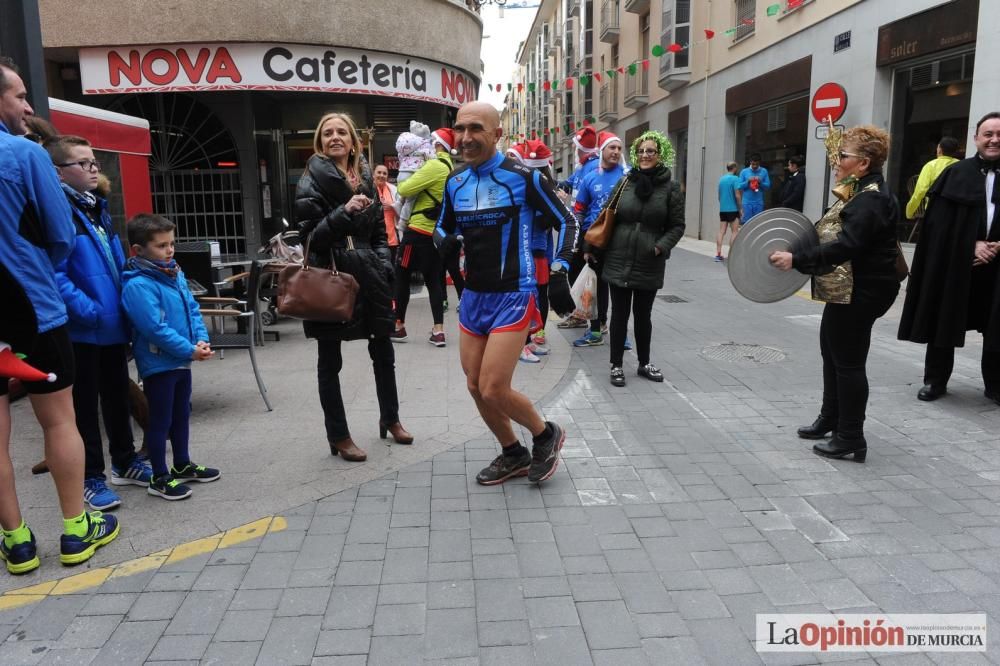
[830, 101]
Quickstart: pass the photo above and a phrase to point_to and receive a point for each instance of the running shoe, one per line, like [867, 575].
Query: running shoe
[538, 350]
[604, 329]
[193, 472]
[719, 258]
[398, 335]
[138, 473]
[101, 530]
[445, 304]
[650, 372]
[437, 339]
[617, 376]
[527, 356]
[539, 338]
[573, 322]
[628, 344]
[589, 339]
[168, 488]
[21, 557]
[97, 494]
[545, 456]
[503, 468]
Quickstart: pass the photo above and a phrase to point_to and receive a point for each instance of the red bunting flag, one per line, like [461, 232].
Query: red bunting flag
[547, 85]
[645, 65]
[597, 75]
[572, 125]
[709, 34]
[586, 122]
[534, 134]
[520, 87]
[555, 130]
[792, 4]
[675, 48]
[621, 70]
[498, 87]
[747, 21]
[569, 84]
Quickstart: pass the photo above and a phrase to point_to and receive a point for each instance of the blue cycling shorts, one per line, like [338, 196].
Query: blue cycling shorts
[483, 313]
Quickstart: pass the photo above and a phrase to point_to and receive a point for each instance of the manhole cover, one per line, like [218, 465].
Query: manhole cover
[734, 352]
[671, 298]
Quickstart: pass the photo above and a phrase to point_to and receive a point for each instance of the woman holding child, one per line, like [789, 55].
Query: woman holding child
[341, 217]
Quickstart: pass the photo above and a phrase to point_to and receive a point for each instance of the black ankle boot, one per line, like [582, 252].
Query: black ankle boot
[841, 448]
[820, 428]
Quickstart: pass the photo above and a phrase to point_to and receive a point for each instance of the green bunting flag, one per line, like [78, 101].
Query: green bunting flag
[658, 51]
[773, 10]
[632, 69]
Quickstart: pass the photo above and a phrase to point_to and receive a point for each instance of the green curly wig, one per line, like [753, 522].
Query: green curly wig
[666, 157]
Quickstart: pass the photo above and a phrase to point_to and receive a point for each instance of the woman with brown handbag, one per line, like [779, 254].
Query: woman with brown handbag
[341, 219]
[648, 223]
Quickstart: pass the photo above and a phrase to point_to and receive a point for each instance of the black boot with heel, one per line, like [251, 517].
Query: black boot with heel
[839, 447]
[820, 428]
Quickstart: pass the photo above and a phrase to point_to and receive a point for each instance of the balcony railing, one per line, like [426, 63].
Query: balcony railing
[637, 90]
[637, 6]
[609, 100]
[610, 26]
[555, 41]
[574, 8]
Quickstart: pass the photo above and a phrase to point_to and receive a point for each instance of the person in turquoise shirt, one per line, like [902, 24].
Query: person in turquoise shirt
[730, 206]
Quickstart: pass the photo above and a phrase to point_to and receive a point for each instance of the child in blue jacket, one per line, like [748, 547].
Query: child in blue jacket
[90, 281]
[168, 333]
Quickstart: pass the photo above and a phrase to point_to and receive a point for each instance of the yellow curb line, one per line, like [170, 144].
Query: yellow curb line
[88, 580]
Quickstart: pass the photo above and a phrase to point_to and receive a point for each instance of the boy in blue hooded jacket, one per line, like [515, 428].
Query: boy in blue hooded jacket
[168, 333]
[90, 281]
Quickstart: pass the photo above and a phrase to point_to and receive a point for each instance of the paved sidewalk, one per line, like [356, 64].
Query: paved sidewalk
[680, 511]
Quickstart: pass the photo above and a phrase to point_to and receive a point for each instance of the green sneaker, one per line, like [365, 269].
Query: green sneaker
[101, 530]
[193, 472]
[168, 488]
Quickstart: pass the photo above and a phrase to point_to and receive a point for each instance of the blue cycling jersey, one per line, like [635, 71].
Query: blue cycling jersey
[493, 207]
[595, 190]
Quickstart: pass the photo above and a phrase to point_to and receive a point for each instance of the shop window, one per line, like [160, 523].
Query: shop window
[746, 13]
[777, 118]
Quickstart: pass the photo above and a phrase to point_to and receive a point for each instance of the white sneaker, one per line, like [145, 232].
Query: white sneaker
[527, 356]
[537, 349]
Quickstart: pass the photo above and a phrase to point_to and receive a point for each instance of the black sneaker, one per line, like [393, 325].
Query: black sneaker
[545, 456]
[503, 468]
[617, 376]
[168, 488]
[193, 472]
[650, 372]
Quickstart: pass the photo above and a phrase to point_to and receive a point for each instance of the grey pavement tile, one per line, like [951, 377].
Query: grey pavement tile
[505, 655]
[548, 586]
[369, 528]
[68, 656]
[532, 533]
[495, 566]
[51, 617]
[698, 604]
[538, 560]
[450, 633]
[489, 524]
[351, 607]
[255, 599]
[839, 594]
[675, 650]
[576, 540]
[644, 593]
[450, 520]
[90, 631]
[492, 546]
[620, 657]
[313, 577]
[110, 604]
[268, 570]
[585, 564]
[171, 582]
[552, 612]
[504, 632]
[27, 652]
[344, 642]
[731, 581]
[224, 654]
[320, 551]
[399, 619]
[607, 624]
[450, 545]
[561, 645]
[409, 537]
[595, 587]
[971, 581]
[499, 600]
[239, 626]
[402, 593]
[290, 640]
[220, 577]
[303, 601]
[628, 561]
[179, 648]
[200, 613]
[283, 541]
[131, 643]
[402, 650]
[619, 541]
[357, 552]
[359, 573]
[660, 625]
[404, 565]
[722, 642]
[438, 571]
[451, 594]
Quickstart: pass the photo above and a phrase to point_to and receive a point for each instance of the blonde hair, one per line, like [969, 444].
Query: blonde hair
[872, 142]
[354, 159]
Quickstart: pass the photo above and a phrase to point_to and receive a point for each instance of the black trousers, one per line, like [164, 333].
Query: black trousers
[451, 266]
[845, 336]
[640, 303]
[940, 361]
[101, 391]
[328, 370]
[424, 257]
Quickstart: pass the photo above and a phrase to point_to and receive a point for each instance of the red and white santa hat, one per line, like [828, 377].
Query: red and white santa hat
[446, 137]
[585, 140]
[605, 139]
[533, 153]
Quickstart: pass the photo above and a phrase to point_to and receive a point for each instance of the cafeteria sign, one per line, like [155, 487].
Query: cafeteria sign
[293, 67]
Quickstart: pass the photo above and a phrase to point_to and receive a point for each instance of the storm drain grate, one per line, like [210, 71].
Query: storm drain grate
[671, 298]
[734, 352]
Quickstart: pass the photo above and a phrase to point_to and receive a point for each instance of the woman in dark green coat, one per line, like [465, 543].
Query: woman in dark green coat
[649, 221]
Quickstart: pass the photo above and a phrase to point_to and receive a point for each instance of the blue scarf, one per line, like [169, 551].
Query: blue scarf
[87, 202]
[139, 263]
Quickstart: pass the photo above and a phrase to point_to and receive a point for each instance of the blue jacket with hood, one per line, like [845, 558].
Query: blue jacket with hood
[166, 323]
[90, 285]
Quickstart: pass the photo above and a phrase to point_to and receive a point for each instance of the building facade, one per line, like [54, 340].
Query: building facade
[905, 65]
[233, 90]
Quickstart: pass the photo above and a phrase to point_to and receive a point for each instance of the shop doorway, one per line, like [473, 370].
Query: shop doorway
[931, 100]
[778, 132]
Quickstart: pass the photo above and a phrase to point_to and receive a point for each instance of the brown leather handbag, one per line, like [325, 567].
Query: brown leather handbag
[599, 233]
[317, 294]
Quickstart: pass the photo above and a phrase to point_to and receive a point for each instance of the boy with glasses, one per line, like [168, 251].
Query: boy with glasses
[90, 282]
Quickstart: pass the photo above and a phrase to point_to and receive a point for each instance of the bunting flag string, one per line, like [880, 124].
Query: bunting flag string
[775, 9]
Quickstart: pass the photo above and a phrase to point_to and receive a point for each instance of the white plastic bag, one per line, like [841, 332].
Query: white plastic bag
[584, 293]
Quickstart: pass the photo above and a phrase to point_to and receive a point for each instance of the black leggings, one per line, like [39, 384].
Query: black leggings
[845, 335]
[640, 303]
[451, 267]
[425, 258]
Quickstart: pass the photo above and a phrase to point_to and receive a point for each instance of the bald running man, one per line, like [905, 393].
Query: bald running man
[490, 205]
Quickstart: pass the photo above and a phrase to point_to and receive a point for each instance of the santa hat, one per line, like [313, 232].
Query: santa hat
[605, 139]
[514, 151]
[585, 140]
[446, 137]
[533, 153]
[14, 368]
